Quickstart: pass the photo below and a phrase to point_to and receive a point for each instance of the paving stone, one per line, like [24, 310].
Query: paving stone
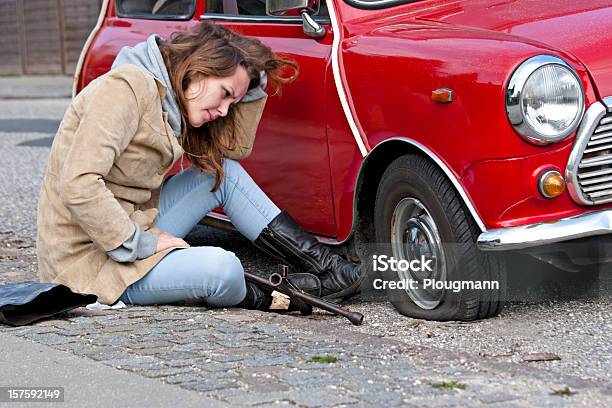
[182, 378]
[278, 404]
[308, 378]
[79, 329]
[303, 365]
[170, 354]
[51, 322]
[320, 397]
[230, 330]
[151, 332]
[270, 387]
[264, 360]
[237, 317]
[75, 347]
[164, 371]
[276, 340]
[17, 331]
[226, 393]
[206, 385]
[163, 344]
[117, 328]
[40, 330]
[269, 328]
[194, 333]
[192, 330]
[380, 397]
[183, 319]
[133, 362]
[199, 346]
[134, 313]
[71, 333]
[226, 358]
[212, 366]
[181, 363]
[112, 341]
[252, 397]
[50, 338]
[162, 353]
[234, 343]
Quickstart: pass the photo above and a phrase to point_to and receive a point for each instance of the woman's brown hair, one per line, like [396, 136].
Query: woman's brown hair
[209, 49]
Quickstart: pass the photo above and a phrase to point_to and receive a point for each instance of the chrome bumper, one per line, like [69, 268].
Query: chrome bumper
[549, 232]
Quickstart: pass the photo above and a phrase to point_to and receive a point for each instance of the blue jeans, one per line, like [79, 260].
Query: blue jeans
[208, 274]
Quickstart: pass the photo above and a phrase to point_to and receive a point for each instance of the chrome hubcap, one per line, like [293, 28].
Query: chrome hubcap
[415, 236]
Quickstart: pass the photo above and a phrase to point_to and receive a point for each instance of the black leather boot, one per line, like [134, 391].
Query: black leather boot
[258, 298]
[285, 240]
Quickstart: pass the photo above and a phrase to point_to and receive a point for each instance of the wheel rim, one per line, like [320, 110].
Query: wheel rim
[414, 234]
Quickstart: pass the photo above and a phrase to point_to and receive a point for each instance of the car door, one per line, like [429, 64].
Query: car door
[129, 22]
[290, 159]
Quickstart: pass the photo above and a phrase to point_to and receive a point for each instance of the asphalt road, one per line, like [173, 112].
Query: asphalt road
[578, 332]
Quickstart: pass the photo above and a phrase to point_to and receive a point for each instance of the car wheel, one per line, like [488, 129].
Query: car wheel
[418, 214]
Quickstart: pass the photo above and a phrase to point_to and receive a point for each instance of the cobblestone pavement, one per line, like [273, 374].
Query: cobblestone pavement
[252, 358]
[243, 357]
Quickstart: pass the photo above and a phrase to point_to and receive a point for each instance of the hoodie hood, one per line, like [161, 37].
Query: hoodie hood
[146, 56]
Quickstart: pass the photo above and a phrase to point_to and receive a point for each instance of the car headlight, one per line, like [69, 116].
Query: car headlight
[544, 100]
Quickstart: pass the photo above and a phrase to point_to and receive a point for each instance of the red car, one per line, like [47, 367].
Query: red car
[439, 129]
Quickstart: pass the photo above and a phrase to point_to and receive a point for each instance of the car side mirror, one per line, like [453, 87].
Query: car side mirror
[303, 8]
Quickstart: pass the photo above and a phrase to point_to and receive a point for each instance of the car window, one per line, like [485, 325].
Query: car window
[156, 9]
[247, 7]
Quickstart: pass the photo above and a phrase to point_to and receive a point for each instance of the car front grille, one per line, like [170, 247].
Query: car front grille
[595, 168]
[589, 171]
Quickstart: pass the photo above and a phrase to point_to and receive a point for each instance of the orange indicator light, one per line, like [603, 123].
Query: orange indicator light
[442, 95]
[551, 184]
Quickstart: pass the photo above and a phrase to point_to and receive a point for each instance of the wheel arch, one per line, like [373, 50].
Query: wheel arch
[371, 172]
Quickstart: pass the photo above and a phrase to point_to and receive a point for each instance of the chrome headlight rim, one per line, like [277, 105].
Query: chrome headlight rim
[514, 100]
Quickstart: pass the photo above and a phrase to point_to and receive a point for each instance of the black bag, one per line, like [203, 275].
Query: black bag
[27, 302]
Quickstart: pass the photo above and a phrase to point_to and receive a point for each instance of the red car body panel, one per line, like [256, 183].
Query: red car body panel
[579, 28]
[290, 159]
[476, 65]
[306, 156]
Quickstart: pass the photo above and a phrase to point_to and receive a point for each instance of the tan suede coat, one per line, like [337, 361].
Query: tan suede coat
[105, 169]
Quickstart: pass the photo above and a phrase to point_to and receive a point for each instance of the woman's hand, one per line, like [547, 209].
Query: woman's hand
[165, 241]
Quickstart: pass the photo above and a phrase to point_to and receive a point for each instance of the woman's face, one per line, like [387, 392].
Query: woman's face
[210, 97]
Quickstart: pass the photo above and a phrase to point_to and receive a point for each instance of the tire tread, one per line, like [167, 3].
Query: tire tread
[475, 304]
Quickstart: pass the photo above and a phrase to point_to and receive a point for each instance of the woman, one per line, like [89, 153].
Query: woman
[107, 226]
